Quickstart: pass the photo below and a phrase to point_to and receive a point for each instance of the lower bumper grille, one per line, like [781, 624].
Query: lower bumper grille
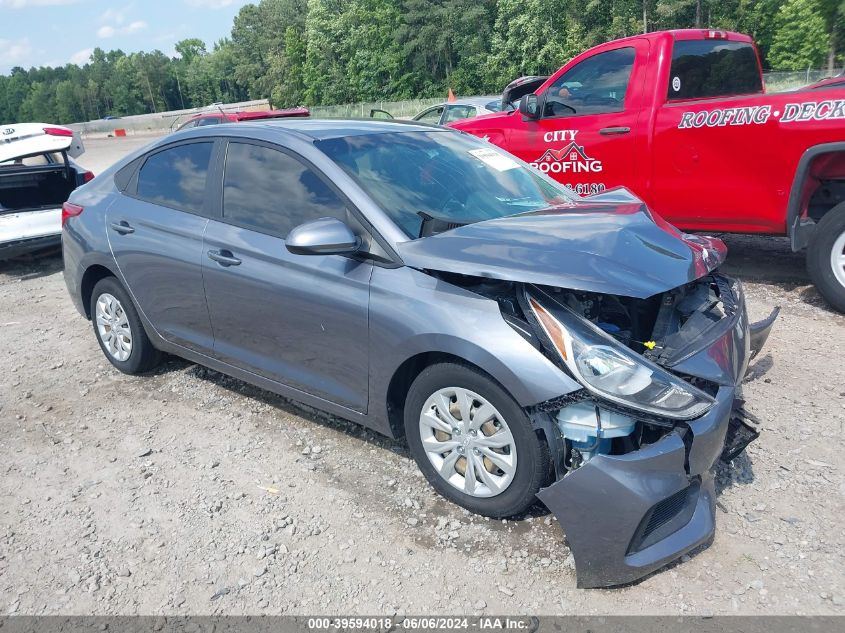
[665, 518]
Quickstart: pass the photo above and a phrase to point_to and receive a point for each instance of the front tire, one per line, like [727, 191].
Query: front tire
[826, 257]
[118, 329]
[473, 442]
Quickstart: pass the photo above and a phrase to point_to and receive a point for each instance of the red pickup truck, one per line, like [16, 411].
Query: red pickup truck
[682, 119]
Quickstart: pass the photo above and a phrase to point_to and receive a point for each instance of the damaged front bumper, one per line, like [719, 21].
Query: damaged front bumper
[627, 515]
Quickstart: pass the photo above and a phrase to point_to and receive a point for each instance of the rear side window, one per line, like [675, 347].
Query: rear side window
[458, 112]
[175, 177]
[713, 68]
[430, 116]
[271, 192]
[209, 121]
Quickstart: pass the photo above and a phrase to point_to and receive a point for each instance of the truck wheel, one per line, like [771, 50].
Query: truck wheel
[826, 257]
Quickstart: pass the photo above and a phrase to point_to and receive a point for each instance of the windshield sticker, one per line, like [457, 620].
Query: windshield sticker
[676, 84]
[758, 115]
[494, 159]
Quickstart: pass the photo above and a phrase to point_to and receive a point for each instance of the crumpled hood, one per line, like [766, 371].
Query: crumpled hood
[594, 246]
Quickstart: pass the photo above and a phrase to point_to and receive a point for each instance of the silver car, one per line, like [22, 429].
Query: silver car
[527, 343]
[448, 111]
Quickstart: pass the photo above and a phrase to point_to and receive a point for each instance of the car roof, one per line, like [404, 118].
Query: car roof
[320, 129]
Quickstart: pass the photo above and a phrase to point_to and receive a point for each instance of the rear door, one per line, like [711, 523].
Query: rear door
[155, 231]
[587, 134]
[300, 320]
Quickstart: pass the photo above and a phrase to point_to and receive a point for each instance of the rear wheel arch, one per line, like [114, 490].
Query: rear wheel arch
[93, 274]
[818, 165]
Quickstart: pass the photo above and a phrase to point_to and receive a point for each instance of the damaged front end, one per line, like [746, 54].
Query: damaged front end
[635, 449]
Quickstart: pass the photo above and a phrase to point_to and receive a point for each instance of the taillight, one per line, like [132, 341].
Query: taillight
[58, 131]
[70, 210]
[716, 35]
[87, 176]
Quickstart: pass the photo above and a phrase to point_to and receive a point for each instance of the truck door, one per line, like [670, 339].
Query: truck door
[585, 137]
[717, 165]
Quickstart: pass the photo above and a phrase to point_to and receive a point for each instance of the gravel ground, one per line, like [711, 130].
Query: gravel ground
[190, 492]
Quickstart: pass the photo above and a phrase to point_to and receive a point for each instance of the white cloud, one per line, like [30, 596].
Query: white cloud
[23, 4]
[81, 57]
[107, 31]
[113, 15]
[15, 52]
[210, 4]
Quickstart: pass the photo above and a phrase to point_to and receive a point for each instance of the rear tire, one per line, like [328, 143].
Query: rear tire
[119, 330]
[513, 473]
[826, 257]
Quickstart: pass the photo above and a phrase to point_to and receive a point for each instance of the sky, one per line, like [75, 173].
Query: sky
[55, 32]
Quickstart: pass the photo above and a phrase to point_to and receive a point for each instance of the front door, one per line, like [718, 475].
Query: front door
[585, 137]
[300, 320]
[155, 232]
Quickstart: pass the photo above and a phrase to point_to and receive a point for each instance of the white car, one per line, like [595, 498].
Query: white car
[37, 174]
[449, 111]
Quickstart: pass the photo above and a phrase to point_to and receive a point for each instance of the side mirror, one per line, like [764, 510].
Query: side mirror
[529, 106]
[326, 236]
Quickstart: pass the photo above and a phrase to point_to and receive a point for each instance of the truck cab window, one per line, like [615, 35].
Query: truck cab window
[713, 68]
[596, 85]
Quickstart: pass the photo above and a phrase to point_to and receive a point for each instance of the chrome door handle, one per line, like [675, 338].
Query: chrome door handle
[122, 227]
[224, 258]
[608, 131]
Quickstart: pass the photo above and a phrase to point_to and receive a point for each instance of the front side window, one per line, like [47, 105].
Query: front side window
[713, 68]
[175, 177]
[271, 192]
[455, 178]
[596, 85]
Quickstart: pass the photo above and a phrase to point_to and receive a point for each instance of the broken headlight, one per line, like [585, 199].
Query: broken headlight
[612, 371]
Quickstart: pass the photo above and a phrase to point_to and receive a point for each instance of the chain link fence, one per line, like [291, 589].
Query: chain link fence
[398, 109]
[782, 80]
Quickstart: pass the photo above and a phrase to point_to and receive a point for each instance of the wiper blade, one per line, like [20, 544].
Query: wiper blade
[432, 225]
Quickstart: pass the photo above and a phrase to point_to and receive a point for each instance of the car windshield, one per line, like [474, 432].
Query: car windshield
[441, 176]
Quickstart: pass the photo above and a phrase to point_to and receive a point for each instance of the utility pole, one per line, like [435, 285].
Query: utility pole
[150, 89]
[179, 86]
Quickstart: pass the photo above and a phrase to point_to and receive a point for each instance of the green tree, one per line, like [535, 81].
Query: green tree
[801, 39]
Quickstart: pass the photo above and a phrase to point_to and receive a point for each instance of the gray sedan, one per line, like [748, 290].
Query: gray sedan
[527, 343]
